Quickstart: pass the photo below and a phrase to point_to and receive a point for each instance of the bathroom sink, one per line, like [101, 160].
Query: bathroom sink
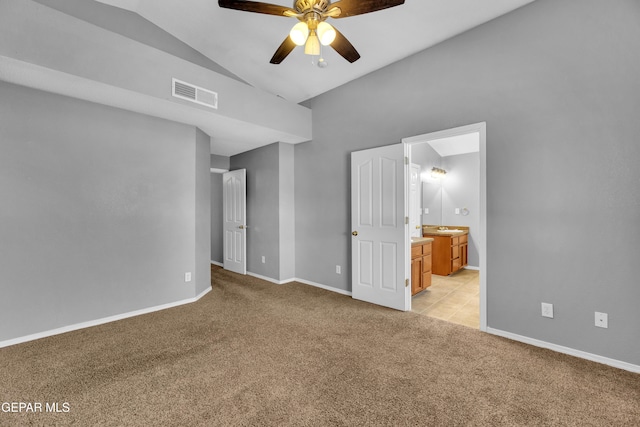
[452, 230]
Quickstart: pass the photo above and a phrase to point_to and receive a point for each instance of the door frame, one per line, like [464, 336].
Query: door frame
[481, 129]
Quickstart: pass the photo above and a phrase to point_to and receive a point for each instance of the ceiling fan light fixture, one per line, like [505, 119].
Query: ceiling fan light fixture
[299, 33]
[312, 47]
[326, 33]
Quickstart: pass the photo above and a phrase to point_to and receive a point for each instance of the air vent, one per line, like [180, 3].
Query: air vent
[193, 93]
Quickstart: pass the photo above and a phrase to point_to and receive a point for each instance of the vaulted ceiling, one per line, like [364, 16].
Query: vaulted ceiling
[260, 99]
[243, 42]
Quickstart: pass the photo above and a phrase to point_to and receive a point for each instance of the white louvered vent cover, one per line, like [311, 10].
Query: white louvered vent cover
[189, 92]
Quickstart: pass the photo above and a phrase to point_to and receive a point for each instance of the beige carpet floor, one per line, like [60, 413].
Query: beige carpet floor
[253, 353]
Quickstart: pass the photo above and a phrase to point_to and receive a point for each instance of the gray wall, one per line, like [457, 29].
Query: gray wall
[220, 162]
[203, 212]
[270, 210]
[556, 82]
[134, 27]
[262, 208]
[99, 212]
[286, 206]
[424, 155]
[461, 189]
[217, 234]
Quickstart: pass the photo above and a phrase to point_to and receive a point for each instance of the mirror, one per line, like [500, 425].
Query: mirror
[455, 199]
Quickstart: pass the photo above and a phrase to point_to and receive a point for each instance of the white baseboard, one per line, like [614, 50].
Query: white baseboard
[101, 321]
[294, 279]
[217, 263]
[566, 350]
[325, 287]
[269, 279]
[471, 267]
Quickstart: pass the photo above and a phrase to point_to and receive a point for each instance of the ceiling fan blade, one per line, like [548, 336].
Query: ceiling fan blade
[283, 51]
[258, 7]
[344, 47]
[358, 7]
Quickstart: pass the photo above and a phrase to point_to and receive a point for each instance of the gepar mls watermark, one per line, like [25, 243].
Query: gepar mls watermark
[35, 407]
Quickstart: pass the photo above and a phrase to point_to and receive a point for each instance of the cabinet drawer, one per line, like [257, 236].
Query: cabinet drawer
[416, 251]
[426, 248]
[426, 263]
[455, 265]
[455, 252]
[455, 241]
[464, 239]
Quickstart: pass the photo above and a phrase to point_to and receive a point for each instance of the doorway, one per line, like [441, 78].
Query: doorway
[461, 282]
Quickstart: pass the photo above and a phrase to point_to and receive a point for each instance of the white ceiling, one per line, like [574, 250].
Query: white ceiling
[244, 42]
[454, 145]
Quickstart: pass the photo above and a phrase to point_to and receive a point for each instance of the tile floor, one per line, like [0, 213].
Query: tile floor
[454, 298]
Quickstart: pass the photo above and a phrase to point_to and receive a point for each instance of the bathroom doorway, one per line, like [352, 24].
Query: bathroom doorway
[458, 200]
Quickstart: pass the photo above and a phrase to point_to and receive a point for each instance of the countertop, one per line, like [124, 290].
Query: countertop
[432, 231]
[420, 240]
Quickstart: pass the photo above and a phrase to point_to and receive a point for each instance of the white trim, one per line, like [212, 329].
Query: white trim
[295, 279]
[219, 264]
[481, 128]
[217, 170]
[471, 267]
[325, 287]
[566, 350]
[269, 279]
[101, 321]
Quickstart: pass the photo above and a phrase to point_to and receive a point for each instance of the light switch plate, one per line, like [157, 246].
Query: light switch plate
[457, 211]
[187, 277]
[547, 310]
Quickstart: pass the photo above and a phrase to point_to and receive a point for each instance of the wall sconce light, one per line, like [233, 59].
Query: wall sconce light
[438, 173]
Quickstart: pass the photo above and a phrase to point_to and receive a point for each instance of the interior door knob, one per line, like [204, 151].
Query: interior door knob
[354, 233]
[241, 227]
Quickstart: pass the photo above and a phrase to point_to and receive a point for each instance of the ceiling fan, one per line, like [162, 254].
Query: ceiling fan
[312, 30]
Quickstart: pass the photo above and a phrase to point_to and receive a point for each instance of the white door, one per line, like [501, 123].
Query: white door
[379, 229]
[234, 195]
[415, 210]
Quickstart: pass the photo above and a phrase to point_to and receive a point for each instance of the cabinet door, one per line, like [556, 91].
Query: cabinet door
[464, 252]
[455, 252]
[455, 265]
[426, 271]
[416, 275]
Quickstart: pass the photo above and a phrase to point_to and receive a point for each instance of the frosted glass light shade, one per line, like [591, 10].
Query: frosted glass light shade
[312, 47]
[326, 33]
[299, 33]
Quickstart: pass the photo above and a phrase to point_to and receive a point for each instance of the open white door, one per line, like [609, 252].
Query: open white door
[378, 220]
[415, 207]
[234, 195]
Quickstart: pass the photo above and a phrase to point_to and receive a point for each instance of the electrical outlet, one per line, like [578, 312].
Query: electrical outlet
[547, 310]
[187, 277]
[338, 269]
[264, 259]
[426, 211]
[602, 320]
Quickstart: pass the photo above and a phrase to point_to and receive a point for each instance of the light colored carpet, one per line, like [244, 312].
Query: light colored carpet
[253, 353]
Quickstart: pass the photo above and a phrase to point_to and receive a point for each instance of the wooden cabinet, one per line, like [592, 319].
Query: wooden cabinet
[420, 266]
[450, 253]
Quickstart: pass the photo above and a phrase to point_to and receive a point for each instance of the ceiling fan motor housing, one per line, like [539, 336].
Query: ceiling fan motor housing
[303, 6]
